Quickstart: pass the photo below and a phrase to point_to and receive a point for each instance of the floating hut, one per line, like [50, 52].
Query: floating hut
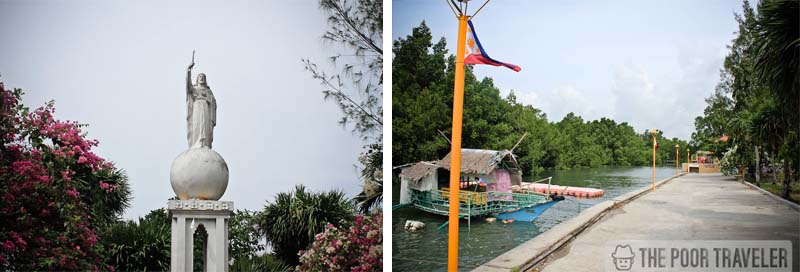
[487, 177]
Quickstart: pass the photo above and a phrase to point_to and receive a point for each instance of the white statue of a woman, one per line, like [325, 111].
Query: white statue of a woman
[201, 114]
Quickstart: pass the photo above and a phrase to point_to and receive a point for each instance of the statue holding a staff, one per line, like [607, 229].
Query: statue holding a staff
[201, 114]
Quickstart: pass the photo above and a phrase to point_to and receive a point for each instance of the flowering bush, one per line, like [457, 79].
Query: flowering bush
[291, 220]
[728, 162]
[54, 191]
[357, 249]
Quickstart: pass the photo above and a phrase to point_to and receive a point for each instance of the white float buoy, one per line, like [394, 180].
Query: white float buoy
[412, 225]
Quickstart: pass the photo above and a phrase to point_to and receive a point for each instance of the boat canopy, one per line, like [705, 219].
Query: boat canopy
[473, 162]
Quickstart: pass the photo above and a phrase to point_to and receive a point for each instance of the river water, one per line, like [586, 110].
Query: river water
[426, 249]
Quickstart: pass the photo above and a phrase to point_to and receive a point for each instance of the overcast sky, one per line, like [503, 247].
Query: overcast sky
[648, 63]
[121, 66]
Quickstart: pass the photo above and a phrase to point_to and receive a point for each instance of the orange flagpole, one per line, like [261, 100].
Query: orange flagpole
[677, 154]
[654, 132]
[654, 164]
[455, 147]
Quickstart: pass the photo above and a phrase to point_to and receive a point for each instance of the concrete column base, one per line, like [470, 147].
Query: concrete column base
[186, 216]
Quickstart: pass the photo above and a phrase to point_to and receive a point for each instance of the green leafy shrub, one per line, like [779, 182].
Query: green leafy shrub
[140, 246]
[290, 222]
[266, 262]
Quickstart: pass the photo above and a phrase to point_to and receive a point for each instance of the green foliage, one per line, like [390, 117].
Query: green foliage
[291, 220]
[357, 25]
[777, 52]
[758, 97]
[139, 246]
[777, 64]
[422, 90]
[421, 97]
[243, 235]
[145, 245]
[714, 123]
[266, 262]
[731, 108]
[371, 195]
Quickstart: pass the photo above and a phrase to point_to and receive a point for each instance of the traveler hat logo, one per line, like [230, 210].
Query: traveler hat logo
[623, 257]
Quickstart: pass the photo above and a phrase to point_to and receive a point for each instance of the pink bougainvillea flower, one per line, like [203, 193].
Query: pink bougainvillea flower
[48, 226]
[8, 245]
[73, 193]
[358, 248]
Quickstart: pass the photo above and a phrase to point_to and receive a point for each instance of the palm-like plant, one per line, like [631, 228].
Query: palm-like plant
[777, 49]
[266, 262]
[107, 205]
[291, 221]
[371, 196]
[142, 246]
[769, 126]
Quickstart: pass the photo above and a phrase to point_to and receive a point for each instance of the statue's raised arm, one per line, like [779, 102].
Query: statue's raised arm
[189, 77]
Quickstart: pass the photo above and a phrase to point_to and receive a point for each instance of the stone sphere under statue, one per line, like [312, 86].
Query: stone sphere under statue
[199, 173]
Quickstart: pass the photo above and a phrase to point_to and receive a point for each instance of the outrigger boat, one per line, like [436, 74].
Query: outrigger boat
[489, 186]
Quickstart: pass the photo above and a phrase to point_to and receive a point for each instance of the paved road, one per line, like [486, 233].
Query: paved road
[691, 207]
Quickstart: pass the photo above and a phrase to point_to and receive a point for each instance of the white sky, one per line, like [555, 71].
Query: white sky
[648, 63]
[120, 67]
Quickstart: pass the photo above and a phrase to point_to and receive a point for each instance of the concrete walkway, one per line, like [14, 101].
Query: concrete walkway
[690, 207]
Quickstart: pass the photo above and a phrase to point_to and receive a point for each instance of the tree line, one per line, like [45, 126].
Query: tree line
[422, 95]
[757, 100]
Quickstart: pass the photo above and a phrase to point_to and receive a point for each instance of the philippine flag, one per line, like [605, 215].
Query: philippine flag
[476, 55]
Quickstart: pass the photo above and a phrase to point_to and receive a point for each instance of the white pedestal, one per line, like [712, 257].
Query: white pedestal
[213, 215]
